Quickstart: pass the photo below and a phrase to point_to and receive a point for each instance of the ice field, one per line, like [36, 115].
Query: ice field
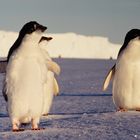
[81, 111]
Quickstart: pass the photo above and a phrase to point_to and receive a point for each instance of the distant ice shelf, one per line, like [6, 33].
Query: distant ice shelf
[68, 45]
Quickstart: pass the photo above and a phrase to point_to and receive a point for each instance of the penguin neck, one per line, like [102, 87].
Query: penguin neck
[136, 42]
[31, 40]
[133, 49]
[29, 43]
[133, 45]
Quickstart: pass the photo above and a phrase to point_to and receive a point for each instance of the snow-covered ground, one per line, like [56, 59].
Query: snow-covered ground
[81, 111]
[68, 45]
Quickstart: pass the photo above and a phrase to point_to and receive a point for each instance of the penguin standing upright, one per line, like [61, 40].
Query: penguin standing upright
[126, 74]
[25, 77]
[51, 87]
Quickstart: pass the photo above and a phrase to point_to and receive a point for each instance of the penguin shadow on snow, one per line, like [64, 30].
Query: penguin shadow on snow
[86, 94]
[3, 115]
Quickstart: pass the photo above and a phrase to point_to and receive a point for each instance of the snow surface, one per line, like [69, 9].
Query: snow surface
[68, 45]
[81, 111]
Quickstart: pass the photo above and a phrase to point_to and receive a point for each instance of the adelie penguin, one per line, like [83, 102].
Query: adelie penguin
[51, 87]
[126, 74]
[26, 74]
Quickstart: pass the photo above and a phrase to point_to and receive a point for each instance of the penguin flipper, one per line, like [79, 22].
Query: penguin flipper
[54, 67]
[4, 91]
[108, 78]
[56, 87]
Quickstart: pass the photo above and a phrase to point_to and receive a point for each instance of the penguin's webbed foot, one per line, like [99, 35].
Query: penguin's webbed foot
[36, 129]
[35, 122]
[121, 109]
[15, 125]
[18, 130]
[138, 109]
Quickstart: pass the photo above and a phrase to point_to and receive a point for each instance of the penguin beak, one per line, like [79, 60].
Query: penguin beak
[42, 28]
[49, 38]
[45, 38]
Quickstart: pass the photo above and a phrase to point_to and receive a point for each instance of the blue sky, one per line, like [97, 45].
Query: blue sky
[108, 18]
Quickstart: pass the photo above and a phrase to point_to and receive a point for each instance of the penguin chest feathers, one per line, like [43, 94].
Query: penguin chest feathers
[29, 47]
[126, 81]
[132, 52]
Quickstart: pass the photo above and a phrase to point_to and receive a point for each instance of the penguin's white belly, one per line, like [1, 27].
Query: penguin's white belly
[25, 88]
[126, 84]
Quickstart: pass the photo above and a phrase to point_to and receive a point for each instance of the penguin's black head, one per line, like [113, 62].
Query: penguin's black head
[132, 34]
[30, 32]
[31, 27]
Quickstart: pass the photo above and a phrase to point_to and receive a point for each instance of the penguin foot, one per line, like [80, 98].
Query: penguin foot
[35, 122]
[36, 129]
[18, 130]
[15, 125]
[122, 109]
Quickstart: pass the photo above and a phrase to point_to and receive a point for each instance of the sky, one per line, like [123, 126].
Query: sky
[107, 18]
